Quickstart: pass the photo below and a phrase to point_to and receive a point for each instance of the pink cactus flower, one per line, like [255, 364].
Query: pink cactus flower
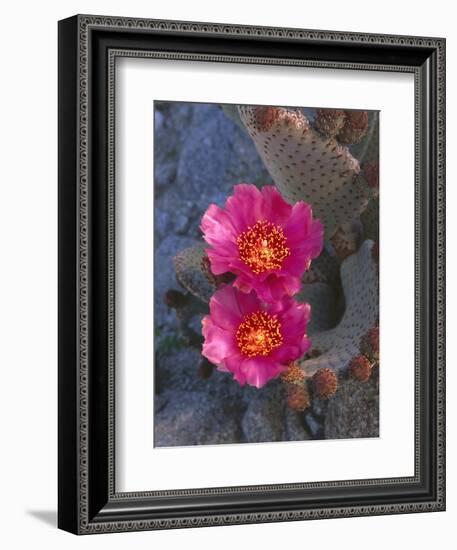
[264, 241]
[252, 340]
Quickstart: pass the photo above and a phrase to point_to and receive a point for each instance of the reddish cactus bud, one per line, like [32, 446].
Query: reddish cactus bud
[371, 172]
[355, 127]
[325, 383]
[330, 121]
[175, 299]
[266, 117]
[370, 344]
[293, 374]
[298, 398]
[360, 368]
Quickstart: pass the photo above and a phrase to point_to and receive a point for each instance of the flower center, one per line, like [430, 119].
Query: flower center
[263, 247]
[259, 334]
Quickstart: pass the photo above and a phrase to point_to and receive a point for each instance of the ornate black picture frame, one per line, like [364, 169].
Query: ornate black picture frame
[88, 501]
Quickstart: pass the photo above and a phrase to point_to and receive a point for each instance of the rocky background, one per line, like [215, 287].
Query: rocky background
[199, 154]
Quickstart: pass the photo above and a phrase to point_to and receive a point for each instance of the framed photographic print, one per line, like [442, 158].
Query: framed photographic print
[251, 274]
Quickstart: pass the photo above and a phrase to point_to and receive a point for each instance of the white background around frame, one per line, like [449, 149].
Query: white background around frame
[28, 279]
[140, 466]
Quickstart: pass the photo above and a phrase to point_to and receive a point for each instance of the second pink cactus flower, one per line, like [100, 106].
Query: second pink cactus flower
[252, 340]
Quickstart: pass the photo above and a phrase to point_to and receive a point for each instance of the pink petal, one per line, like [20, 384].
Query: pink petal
[286, 354]
[218, 344]
[233, 365]
[243, 285]
[275, 208]
[274, 287]
[225, 310]
[248, 303]
[305, 346]
[259, 370]
[217, 225]
[245, 206]
[302, 231]
[294, 322]
[219, 261]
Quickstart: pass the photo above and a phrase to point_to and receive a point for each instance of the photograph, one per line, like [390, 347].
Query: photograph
[266, 273]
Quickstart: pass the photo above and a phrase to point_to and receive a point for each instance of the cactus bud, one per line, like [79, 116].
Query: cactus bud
[293, 374]
[355, 127]
[371, 172]
[175, 299]
[330, 121]
[360, 368]
[265, 117]
[325, 383]
[370, 344]
[298, 398]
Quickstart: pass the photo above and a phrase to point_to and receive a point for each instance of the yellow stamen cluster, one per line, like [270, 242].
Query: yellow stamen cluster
[259, 334]
[263, 247]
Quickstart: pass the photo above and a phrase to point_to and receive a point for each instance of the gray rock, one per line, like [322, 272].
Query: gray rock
[160, 400]
[171, 125]
[177, 369]
[163, 225]
[231, 111]
[181, 223]
[207, 152]
[194, 418]
[216, 155]
[354, 410]
[295, 428]
[159, 119]
[319, 406]
[313, 425]
[164, 175]
[184, 215]
[264, 417]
